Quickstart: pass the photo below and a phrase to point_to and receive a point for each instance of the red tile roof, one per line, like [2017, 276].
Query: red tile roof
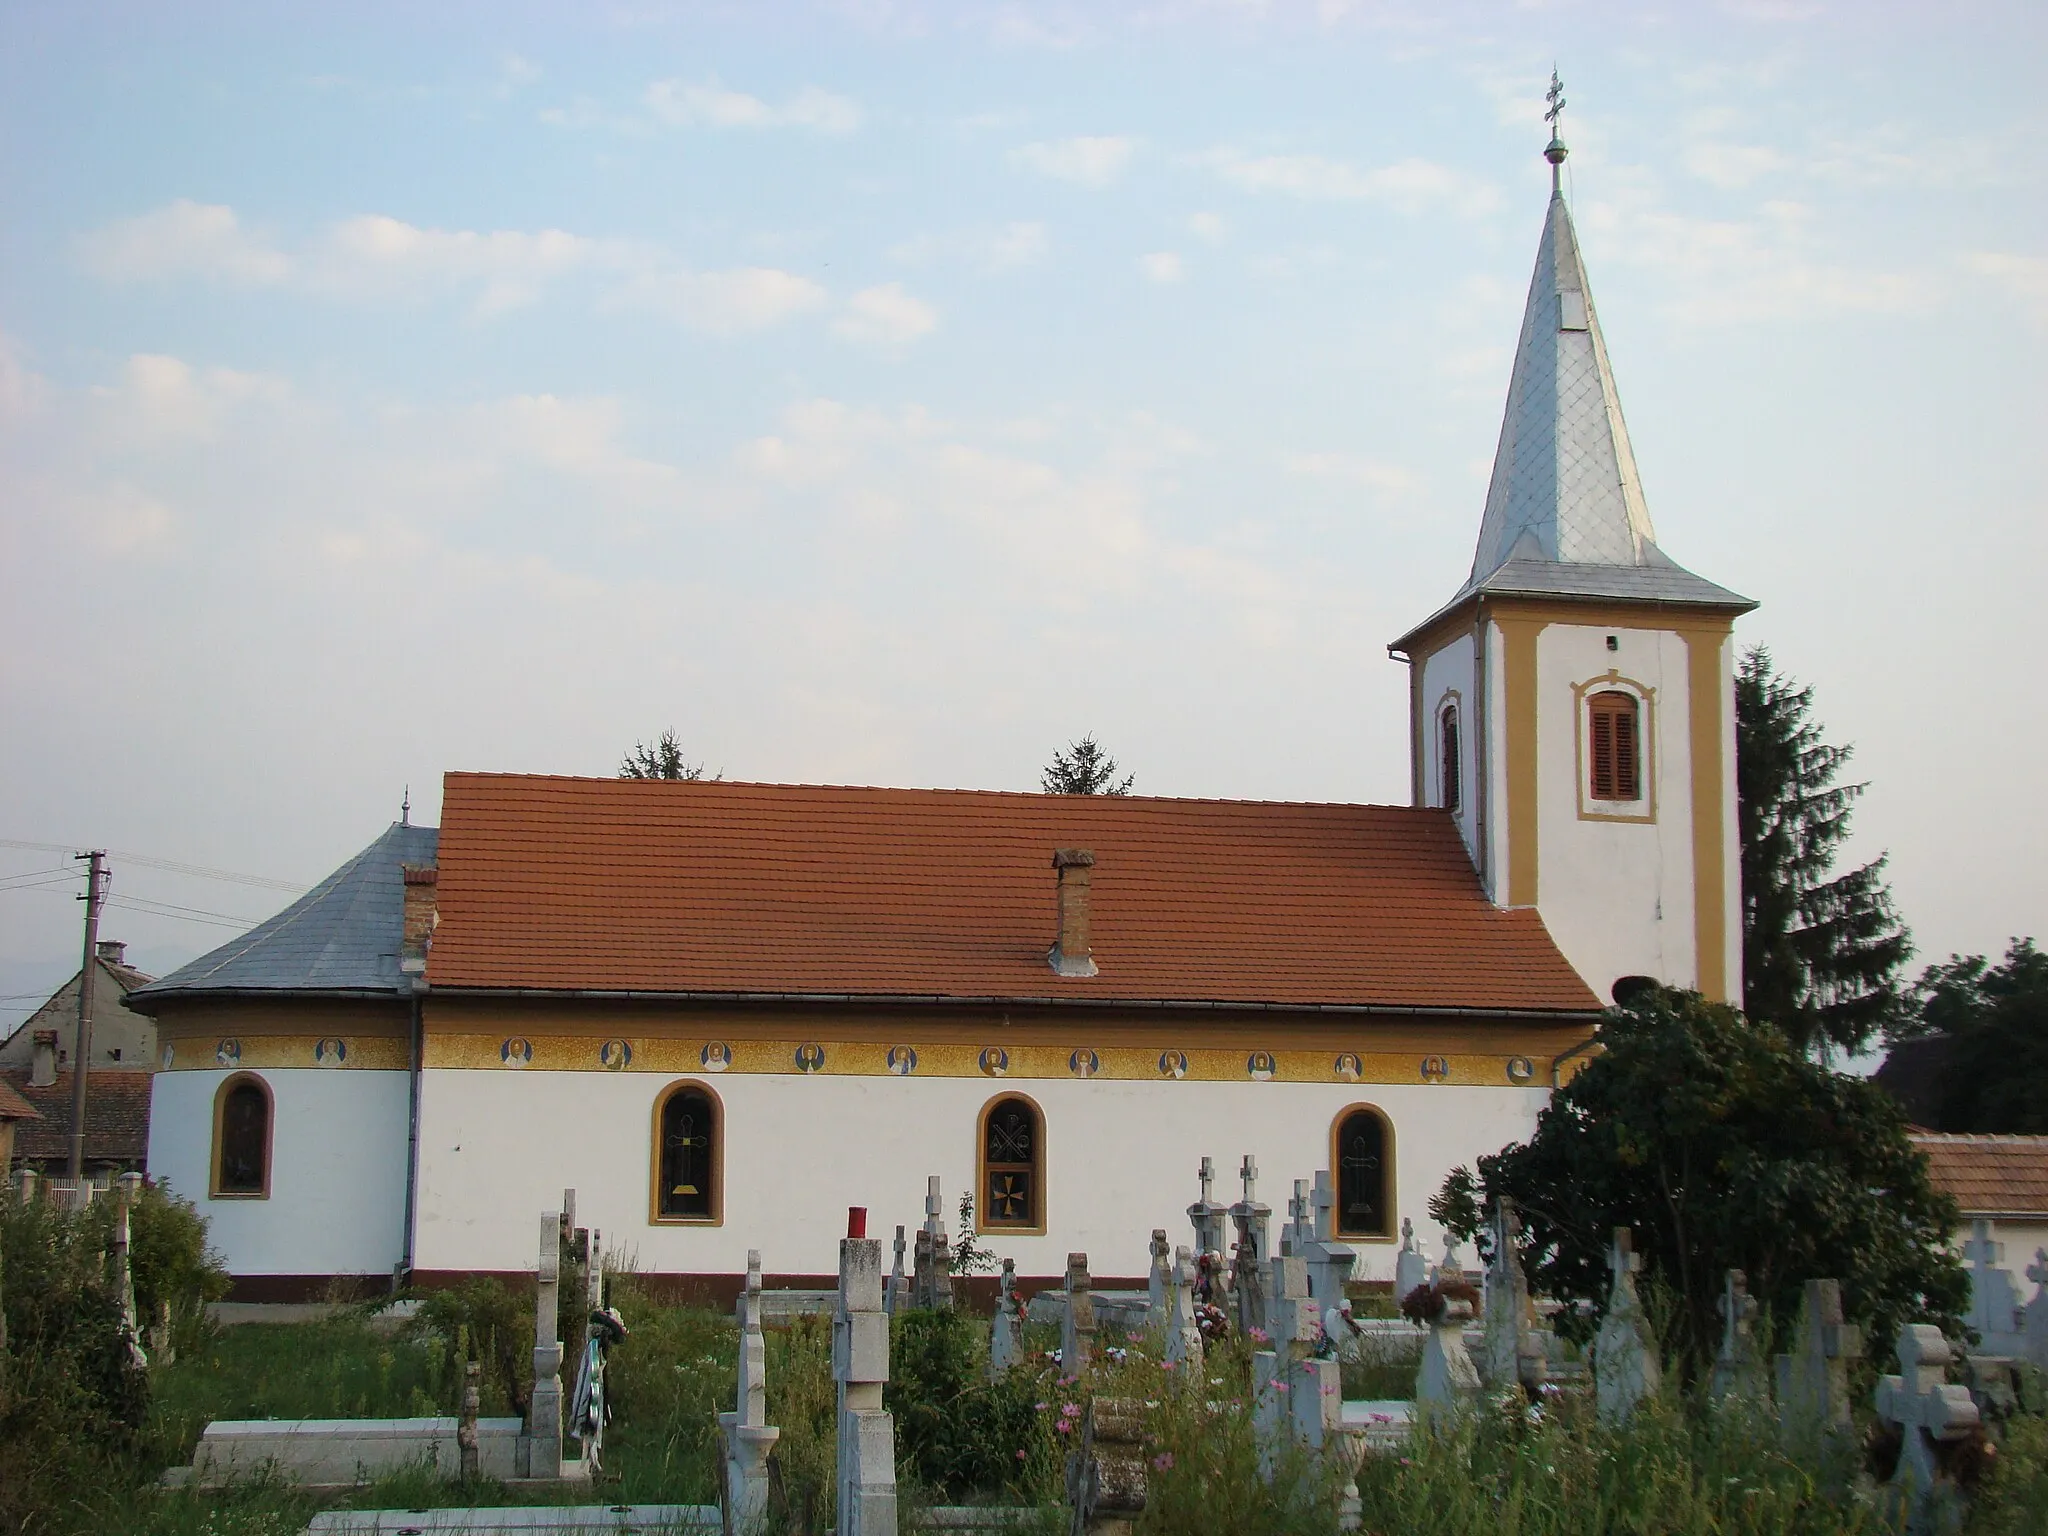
[691, 887]
[2005, 1176]
[12, 1105]
[116, 1116]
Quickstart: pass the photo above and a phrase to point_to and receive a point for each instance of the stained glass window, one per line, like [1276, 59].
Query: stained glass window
[1011, 1166]
[243, 1164]
[1364, 1206]
[689, 1153]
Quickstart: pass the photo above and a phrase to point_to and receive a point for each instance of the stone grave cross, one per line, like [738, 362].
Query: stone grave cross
[1737, 1371]
[1928, 1411]
[1626, 1368]
[1297, 1234]
[1994, 1302]
[1248, 1280]
[892, 1298]
[1006, 1337]
[2036, 1330]
[1411, 1269]
[1077, 1328]
[1206, 1215]
[1329, 1262]
[1294, 1392]
[1183, 1331]
[860, 1364]
[1156, 1280]
[544, 1410]
[748, 1435]
[1813, 1381]
[1513, 1355]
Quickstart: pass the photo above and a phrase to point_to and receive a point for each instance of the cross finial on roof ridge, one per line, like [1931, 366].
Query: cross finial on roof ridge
[405, 808]
[1555, 151]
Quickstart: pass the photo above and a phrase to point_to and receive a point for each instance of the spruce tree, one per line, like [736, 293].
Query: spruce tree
[663, 760]
[1084, 769]
[1821, 952]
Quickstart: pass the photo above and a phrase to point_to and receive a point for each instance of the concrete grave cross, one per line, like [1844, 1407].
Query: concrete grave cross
[1626, 1368]
[1206, 1215]
[1208, 1178]
[1928, 1410]
[1411, 1269]
[1006, 1340]
[1994, 1302]
[1325, 1199]
[1248, 1175]
[1298, 1234]
[860, 1364]
[1077, 1338]
[2036, 1316]
[1297, 1316]
[1157, 1279]
[748, 1435]
[1736, 1367]
[1183, 1330]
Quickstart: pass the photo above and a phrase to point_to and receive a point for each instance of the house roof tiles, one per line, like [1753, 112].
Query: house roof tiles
[116, 1116]
[678, 887]
[2000, 1176]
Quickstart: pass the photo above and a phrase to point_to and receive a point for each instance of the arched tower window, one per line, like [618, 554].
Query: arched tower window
[1362, 1154]
[1447, 744]
[1012, 1158]
[241, 1138]
[1614, 736]
[689, 1155]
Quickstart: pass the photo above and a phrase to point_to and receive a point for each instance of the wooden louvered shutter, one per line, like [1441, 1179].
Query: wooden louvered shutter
[1613, 742]
[1451, 760]
[1603, 752]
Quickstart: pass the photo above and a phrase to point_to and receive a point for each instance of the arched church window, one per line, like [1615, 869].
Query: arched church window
[1012, 1158]
[1614, 737]
[689, 1154]
[1447, 743]
[241, 1138]
[1362, 1153]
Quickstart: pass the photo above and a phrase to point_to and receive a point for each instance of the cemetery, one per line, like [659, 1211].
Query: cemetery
[1252, 1385]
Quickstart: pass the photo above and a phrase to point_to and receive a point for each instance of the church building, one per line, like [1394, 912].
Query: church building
[725, 1012]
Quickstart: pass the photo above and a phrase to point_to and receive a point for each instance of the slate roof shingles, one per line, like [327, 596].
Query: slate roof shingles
[711, 887]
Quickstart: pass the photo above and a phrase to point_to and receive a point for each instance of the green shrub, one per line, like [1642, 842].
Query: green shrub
[2014, 1498]
[175, 1273]
[959, 1436]
[483, 1321]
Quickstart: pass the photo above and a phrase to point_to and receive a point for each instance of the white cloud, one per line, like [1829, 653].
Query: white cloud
[374, 256]
[2024, 277]
[1087, 162]
[1019, 243]
[1409, 184]
[885, 316]
[1003, 248]
[711, 105]
[184, 239]
[1161, 267]
[1207, 226]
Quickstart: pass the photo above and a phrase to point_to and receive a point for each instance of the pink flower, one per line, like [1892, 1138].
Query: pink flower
[1020, 1453]
[1163, 1461]
[1070, 1410]
[1042, 1407]
[1062, 1427]
[1262, 1336]
[1135, 1338]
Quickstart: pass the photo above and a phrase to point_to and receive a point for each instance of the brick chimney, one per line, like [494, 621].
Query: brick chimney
[1071, 955]
[422, 914]
[113, 951]
[42, 1064]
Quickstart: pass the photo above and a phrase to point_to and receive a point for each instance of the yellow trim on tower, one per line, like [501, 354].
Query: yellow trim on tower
[1518, 634]
[1703, 648]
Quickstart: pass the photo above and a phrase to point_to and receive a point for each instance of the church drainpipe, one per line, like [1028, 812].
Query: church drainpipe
[412, 1140]
[1557, 1062]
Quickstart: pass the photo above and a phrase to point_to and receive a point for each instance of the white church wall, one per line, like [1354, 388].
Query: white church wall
[1616, 895]
[337, 1169]
[1447, 675]
[499, 1147]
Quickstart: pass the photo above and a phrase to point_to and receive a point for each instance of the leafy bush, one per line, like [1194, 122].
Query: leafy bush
[483, 1321]
[960, 1436]
[175, 1273]
[1723, 1148]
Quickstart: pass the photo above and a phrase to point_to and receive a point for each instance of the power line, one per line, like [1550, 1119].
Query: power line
[202, 871]
[190, 914]
[39, 878]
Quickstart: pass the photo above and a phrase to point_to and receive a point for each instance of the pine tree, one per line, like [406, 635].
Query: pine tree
[1821, 952]
[663, 760]
[1084, 769]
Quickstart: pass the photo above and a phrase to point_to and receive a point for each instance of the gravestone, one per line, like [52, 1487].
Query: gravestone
[860, 1365]
[1250, 1216]
[2036, 1330]
[1448, 1264]
[126, 1188]
[1511, 1354]
[1813, 1380]
[1329, 1262]
[544, 1413]
[1206, 1215]
[1411, 1269]
[1626, 1368]
[27, 1182]
[468, 1438]
[1994, 1301]
[1295, 1393]
[933, 1286]
[1106, 1483]
[892, 1298]
[1447, 1376]
[1157, 1279]
[1077, 1328]
[1183, 1330]
[748, 1435]
[1296, 1232]
[1738, 1371]
[1929, 1412]
[1006, 1334]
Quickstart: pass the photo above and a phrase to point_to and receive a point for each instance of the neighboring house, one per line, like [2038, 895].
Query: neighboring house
[1999, 1179]
[120, 1038]
[117, 1107]
[724, 1013]
[15, 1111]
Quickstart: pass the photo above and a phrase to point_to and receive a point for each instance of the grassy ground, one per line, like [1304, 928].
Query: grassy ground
[1678, 1469]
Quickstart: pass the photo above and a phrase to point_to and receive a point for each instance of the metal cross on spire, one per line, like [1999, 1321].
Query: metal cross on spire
[1555, 151]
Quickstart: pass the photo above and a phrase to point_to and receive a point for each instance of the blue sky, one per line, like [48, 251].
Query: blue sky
[891, 392]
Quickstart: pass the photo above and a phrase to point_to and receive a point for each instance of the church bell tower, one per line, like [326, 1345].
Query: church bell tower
[1573, 706]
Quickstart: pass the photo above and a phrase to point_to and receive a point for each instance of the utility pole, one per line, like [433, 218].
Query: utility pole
[81, 1055]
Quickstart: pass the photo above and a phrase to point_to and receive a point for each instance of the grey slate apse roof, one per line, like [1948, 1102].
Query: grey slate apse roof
[340, 938]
